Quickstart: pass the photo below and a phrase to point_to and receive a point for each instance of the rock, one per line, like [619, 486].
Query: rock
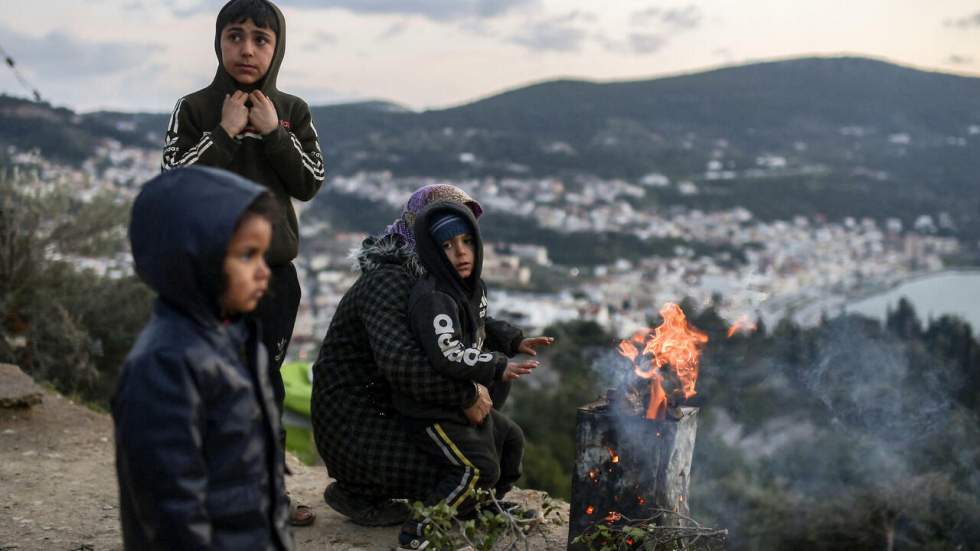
[17, 390]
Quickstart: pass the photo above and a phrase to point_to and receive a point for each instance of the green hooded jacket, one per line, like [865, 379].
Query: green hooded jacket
[287, 161]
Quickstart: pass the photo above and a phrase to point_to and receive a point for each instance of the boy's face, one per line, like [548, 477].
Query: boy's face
[246, 273]
[459, 251]
[246, 51]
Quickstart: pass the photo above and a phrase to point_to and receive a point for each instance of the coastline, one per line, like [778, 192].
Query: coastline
[884, 287]
[807, 313]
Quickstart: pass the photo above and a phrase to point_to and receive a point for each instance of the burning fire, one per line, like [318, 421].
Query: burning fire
[612, 517]
[674, 343]
[613, 456]
[742, 325]
[594, 475]
[589, 510]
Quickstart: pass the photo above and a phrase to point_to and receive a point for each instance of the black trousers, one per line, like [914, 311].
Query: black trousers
[277, 314]
[486, 457]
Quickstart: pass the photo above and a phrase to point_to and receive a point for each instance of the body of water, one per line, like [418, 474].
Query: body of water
[949, 292]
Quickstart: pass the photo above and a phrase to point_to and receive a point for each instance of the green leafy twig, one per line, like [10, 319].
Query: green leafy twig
[493, 527]
[665, 530]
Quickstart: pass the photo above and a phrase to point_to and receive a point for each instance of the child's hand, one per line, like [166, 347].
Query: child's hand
[480, 408]
[263, 114]
[528, 345]
[234, 114]
[515, 370]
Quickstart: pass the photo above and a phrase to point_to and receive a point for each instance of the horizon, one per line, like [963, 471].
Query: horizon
[141, 55]
[485, 96]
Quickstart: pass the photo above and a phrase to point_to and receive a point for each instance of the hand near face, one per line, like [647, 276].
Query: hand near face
[528, 346]
[262, 116]
[234, 114]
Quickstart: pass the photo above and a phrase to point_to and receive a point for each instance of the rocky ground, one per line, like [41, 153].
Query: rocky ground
[59, 491]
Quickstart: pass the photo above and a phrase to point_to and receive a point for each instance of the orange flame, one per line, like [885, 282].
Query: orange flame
[589, 510]
[743, 325]
[613, 456]
[674, 342]
[613, 516]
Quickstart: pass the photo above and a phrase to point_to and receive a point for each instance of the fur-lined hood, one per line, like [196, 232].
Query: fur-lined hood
[376, 252]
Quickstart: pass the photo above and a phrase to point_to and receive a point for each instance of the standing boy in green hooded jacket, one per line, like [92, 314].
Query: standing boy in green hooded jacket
[242, 123]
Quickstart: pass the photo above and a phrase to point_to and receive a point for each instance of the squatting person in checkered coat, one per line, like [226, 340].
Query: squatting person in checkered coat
[369, 351]
[448, 313]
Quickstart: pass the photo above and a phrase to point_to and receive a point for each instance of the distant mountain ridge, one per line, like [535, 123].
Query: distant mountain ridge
[855, 136]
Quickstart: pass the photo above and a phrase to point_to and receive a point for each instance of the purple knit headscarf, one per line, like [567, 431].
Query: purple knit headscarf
[422, 198]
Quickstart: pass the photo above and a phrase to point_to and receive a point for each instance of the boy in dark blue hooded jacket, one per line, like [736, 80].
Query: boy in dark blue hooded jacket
[196, 423]
[448, 315]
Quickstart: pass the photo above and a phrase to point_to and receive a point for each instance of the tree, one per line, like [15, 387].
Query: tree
[59, 322]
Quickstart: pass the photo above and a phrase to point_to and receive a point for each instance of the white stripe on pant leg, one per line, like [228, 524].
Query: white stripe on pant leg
[467, 473]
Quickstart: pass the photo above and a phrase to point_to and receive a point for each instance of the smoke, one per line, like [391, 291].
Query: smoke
[862, 376]
[842, 431]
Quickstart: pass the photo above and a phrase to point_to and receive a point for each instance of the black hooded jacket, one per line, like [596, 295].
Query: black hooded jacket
[449, 318]
[287, 161]
[196, 425]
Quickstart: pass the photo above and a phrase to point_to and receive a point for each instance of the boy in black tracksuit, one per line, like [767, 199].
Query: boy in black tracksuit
[196, 426]
[242, 123]
[448, 314]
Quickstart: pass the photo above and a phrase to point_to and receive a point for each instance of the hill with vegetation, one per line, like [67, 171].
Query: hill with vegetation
[825, 137]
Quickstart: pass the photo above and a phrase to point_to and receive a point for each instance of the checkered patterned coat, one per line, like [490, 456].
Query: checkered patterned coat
[368, 352]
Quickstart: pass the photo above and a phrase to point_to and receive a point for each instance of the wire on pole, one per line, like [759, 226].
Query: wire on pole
[19, 76]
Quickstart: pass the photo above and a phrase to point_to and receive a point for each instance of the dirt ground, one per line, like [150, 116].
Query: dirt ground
[58, 488]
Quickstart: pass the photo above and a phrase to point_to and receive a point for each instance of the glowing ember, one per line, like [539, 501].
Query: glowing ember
[674, 343]
[589, 510]
[613, 456]
[742, 325]
[613, 516]
[594, 475]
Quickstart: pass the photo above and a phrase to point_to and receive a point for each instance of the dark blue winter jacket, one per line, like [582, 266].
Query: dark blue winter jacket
[195, 422]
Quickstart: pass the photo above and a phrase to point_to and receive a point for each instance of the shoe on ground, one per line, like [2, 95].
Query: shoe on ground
[366, 512]
[408, 541]
[411, 542]
[301, 515]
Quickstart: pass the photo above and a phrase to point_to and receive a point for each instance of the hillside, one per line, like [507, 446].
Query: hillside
[826, 137]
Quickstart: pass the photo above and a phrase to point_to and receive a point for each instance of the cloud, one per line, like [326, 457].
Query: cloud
[725, 53]
[659, 26]
[320, 39]
[560, 34]
[686, 18]
[393, 30]
[646, 43]
[438, 10]
[634, 43]
[957, 59]
[968, 22]
[64, 56]
[315, 94]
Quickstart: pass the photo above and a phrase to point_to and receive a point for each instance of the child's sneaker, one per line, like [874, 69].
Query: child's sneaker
[411, 542]
[385, 512]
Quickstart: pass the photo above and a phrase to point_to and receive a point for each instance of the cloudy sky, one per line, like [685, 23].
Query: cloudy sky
[143, 54]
